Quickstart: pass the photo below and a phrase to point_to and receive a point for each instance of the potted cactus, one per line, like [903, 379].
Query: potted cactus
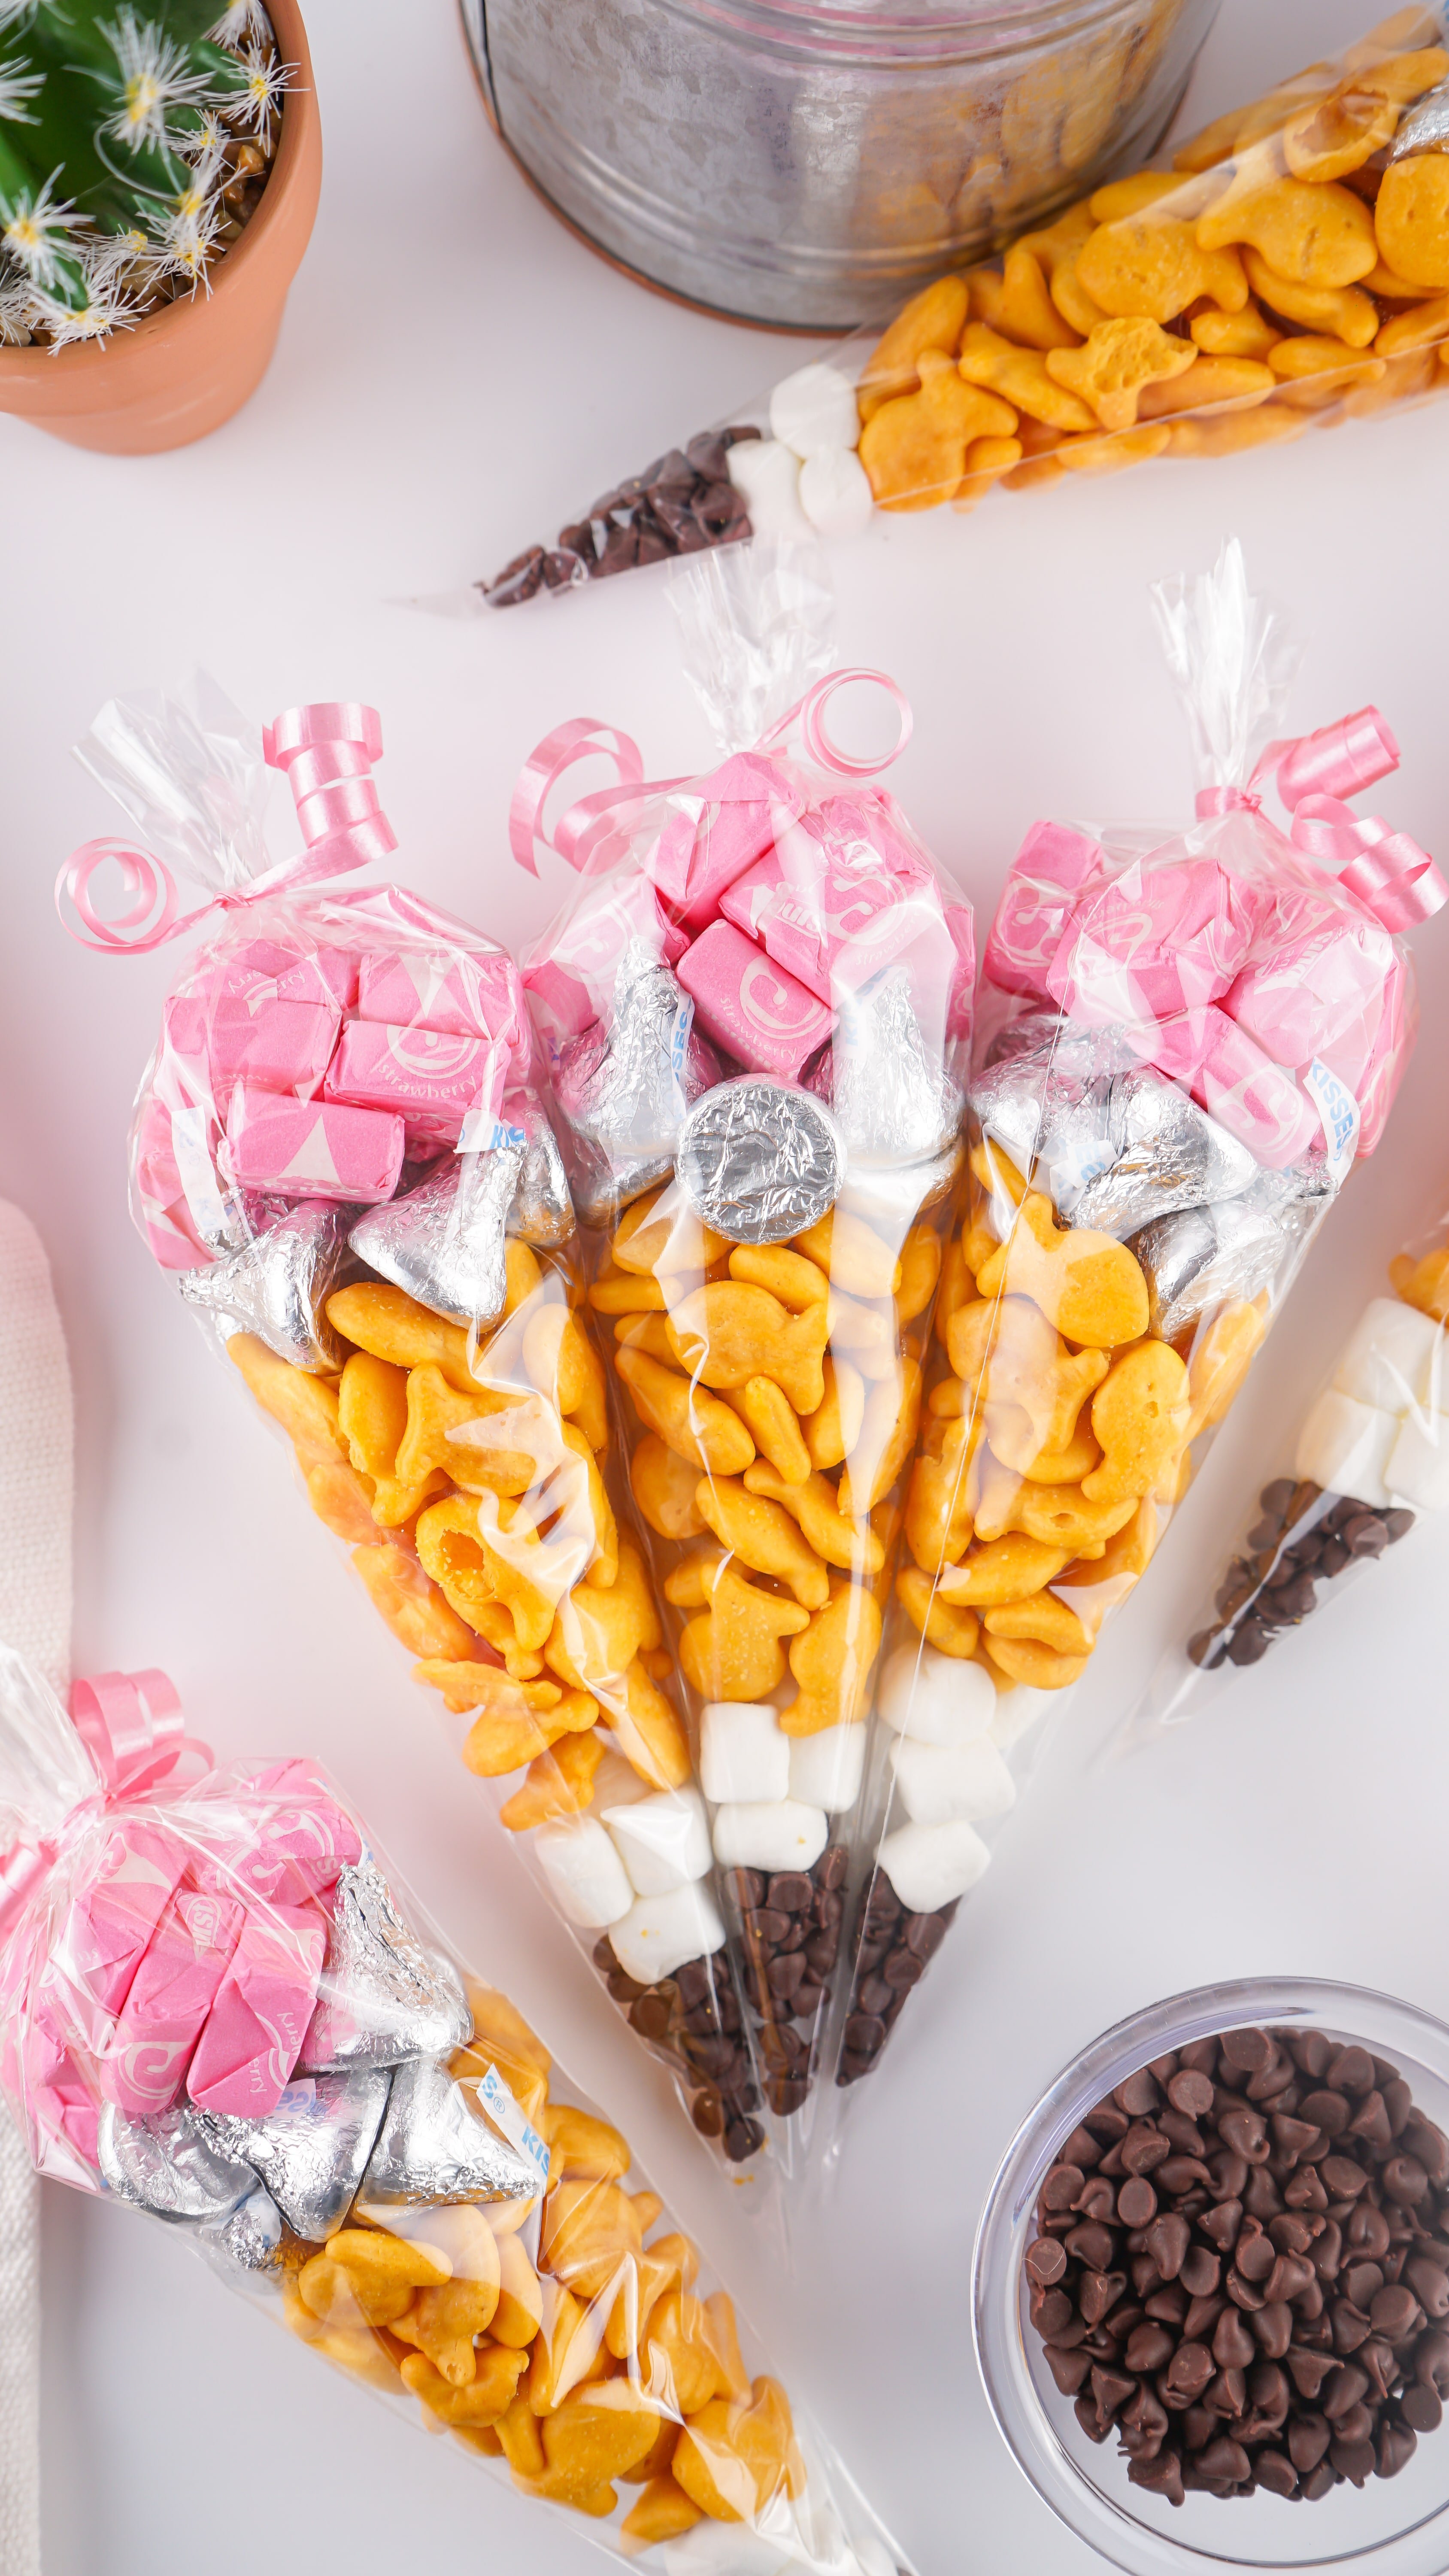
[159, 173]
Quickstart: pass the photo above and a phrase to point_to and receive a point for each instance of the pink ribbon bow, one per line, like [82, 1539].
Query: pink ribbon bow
[1386, 870]
[132, 1726]
[595, 831]
[326, 751]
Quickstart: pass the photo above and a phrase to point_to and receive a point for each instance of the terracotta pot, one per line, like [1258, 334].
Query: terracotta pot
[185, 369]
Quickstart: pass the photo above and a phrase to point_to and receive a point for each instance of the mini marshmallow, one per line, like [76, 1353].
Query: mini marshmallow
[783, 1834]
[662, 1841]
[589, 1881]
[659, 1933]
[931, 1865]
[1344, 1447]
[940, 1782]
[1392, 1358]
[938, 1699]
[1418, 1468]
[730, 2549]
[744, 1759]
[826, 1768]
[835, 493]
[814, 409]
[769, 477]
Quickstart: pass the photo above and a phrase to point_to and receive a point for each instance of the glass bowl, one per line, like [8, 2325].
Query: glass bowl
[1389, 2527]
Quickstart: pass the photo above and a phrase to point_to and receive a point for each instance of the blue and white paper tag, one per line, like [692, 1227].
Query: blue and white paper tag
[1338, 1110]
[507, 2115]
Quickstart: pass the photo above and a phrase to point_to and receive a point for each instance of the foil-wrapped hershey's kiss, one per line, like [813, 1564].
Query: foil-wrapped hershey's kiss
[892, 1099]
[171, 2164]
[250, 2235]
[277, 1286]
[434, 2146]
[312, 2150]
[623, 1090]
[542, 1212]
[760, 1160]
[1120, 1146]
[1200, 1256]
[381, 1997]
[444, 1242]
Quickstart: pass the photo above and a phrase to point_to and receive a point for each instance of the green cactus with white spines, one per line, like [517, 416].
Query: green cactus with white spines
[118, 135]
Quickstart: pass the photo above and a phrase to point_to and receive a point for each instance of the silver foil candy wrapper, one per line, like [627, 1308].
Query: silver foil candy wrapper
[312, 2150]
[1424, 127]
[1121, 1145]
[250, 2235]
[277, 1286]
[893, 1198]
[1201, 1256]
[760, 1160]
[623, 1091]
[382, 1997]
[891, 1097]
[170, 2163]
[542, 1212]
[434, 2146]
[444, 1242]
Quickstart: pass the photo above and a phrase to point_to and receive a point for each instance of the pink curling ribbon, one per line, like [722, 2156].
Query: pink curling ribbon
[1386, 870]
[595, 831]
[327, 752]
[132, 1726]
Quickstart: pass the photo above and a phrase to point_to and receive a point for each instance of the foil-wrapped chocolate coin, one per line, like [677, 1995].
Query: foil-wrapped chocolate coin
[1201, 1256]
[622, 1090]
[444, 1243]
[434, 2146]
[277, 1285]
[169, 2163]
[381, 1997]
[892, 1098]
[542, 1211]
[249, 2236]
[760, 1160]
[312, 2150]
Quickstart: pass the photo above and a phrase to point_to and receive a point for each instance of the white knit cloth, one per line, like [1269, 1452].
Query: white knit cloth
[36, 1489]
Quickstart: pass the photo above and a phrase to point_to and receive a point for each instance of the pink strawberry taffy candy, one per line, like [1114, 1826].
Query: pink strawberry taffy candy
[750, 1006]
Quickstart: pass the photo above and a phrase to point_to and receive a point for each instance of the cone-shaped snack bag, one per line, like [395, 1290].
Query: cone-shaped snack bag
[338, 1151]
[1183, 1041]
[756, 1011]
[1372, 1460]
[222, 2006]
[1286, 268]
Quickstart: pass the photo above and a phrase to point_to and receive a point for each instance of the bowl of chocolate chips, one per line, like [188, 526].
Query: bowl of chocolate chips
[1211, 2288]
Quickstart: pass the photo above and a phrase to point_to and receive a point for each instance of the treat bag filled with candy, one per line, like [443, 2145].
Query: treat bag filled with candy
[1286, 268]
[338, 1152]
[222, 2006]
[1372, 1458]
[1182, 1045]
[756, 1011]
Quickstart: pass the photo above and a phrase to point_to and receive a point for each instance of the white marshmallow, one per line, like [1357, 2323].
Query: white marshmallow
[589, 1881]
[826, 1768]
[1344, 1446]
[929, 1865]
[743, 1755]
[939, 1699]
[726, 2549]
[783, 1834]
[941, 1781]
[659, 1933]
[815, 408]
[835, 492]
[1392, 1358]
[769, 477]
[662, 1841]
[1418, 1467]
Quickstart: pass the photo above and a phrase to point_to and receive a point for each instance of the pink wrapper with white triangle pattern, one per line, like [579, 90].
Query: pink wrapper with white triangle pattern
[313, 1149]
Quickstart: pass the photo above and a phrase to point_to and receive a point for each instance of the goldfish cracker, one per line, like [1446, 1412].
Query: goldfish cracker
[372, 1413]
[1087, 1285]
[1265, 426]
[1419, 328]
[829, 1530]
[558, 1782]
[1112, 455]
[739, 2454]
[1151, 265]
[831, 1662]
[1020, 376]
[887, 1437]
[416, 1610]
[1411, 219]
[1345, 313]
[691, 1421]
[1069, 295]
[1039, 1666]
[774, 1426]
[950, 1629]
[1027, 313]
[733, 1651]
[1221, 1360]
[393, 1326]
[1212, 385]
[342, 1500]
[1314, 369]
[1004, 1570]
[914, 448]
[664, 1486]
[1322, 236]
[305, 1405]
[1140, 1415]
[1116, 361]
[932, 320]
[726, 1334]
[765, 1537]
[1248, 334]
